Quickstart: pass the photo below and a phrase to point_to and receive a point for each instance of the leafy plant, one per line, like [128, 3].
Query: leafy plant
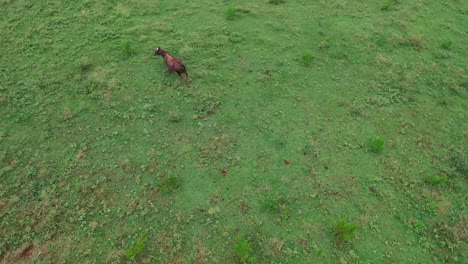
[137, 247]
[377, 145]
[230, 13]
[344, 231]
[436, 179]
[170, 184]
[244, 250]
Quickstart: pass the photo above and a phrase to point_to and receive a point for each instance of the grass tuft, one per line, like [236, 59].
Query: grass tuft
[276, 2]
[230, 13]
[436, 179]
[389, 5]
[136, 248]
[344, 230]
[377, 144]
[307, 58]
[127, 49]
[170, 184]
[244, 250]
[446, 44]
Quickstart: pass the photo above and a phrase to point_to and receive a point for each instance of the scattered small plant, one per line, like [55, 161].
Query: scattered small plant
[137, 247]
[377, 145]
[276, 2]
[344, 231]
[436, 179]
[244, 250]
[170, 184]
[307, 58]
[230, 13]
[446, 44]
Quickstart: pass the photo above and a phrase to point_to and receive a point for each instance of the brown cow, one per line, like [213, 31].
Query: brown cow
[173, 64]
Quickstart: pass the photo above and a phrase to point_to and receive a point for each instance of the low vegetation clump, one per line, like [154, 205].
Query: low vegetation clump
[230, 13]
[307, 58]
[436, 179]
[170, 184]
[136, 248]
[244, 250]
[344, 230]
[377, 145]
[276, 2]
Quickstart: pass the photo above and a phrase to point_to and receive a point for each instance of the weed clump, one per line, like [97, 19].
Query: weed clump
[244, 250]
[127, 49]
[85, 64]
[276, 2]
[416, 42]
[175, 116]
[344, 231]
[436, 179]
[136, 247]
[230, 13]
[208, 104]
[307, 58]
[279, 206]
[459, 163]
[170, 184]
[389, 5]
[377, 145]
[446, 44]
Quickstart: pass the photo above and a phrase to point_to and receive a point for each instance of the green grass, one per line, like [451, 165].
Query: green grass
[377, 144]
[137, 247]
[344, 231]
[99, 144]
[230, 13]
[244, 250]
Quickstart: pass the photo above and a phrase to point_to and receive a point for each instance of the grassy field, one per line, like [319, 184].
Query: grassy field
[313, 132]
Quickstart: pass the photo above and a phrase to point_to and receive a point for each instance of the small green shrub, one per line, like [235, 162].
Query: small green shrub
[276, 2]
[137, 247]
[436, 179]
[244, 250]
[170, 184]
[230, 13]
[344, 231]
[377, 145]
[446, 44]
[307, 58]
